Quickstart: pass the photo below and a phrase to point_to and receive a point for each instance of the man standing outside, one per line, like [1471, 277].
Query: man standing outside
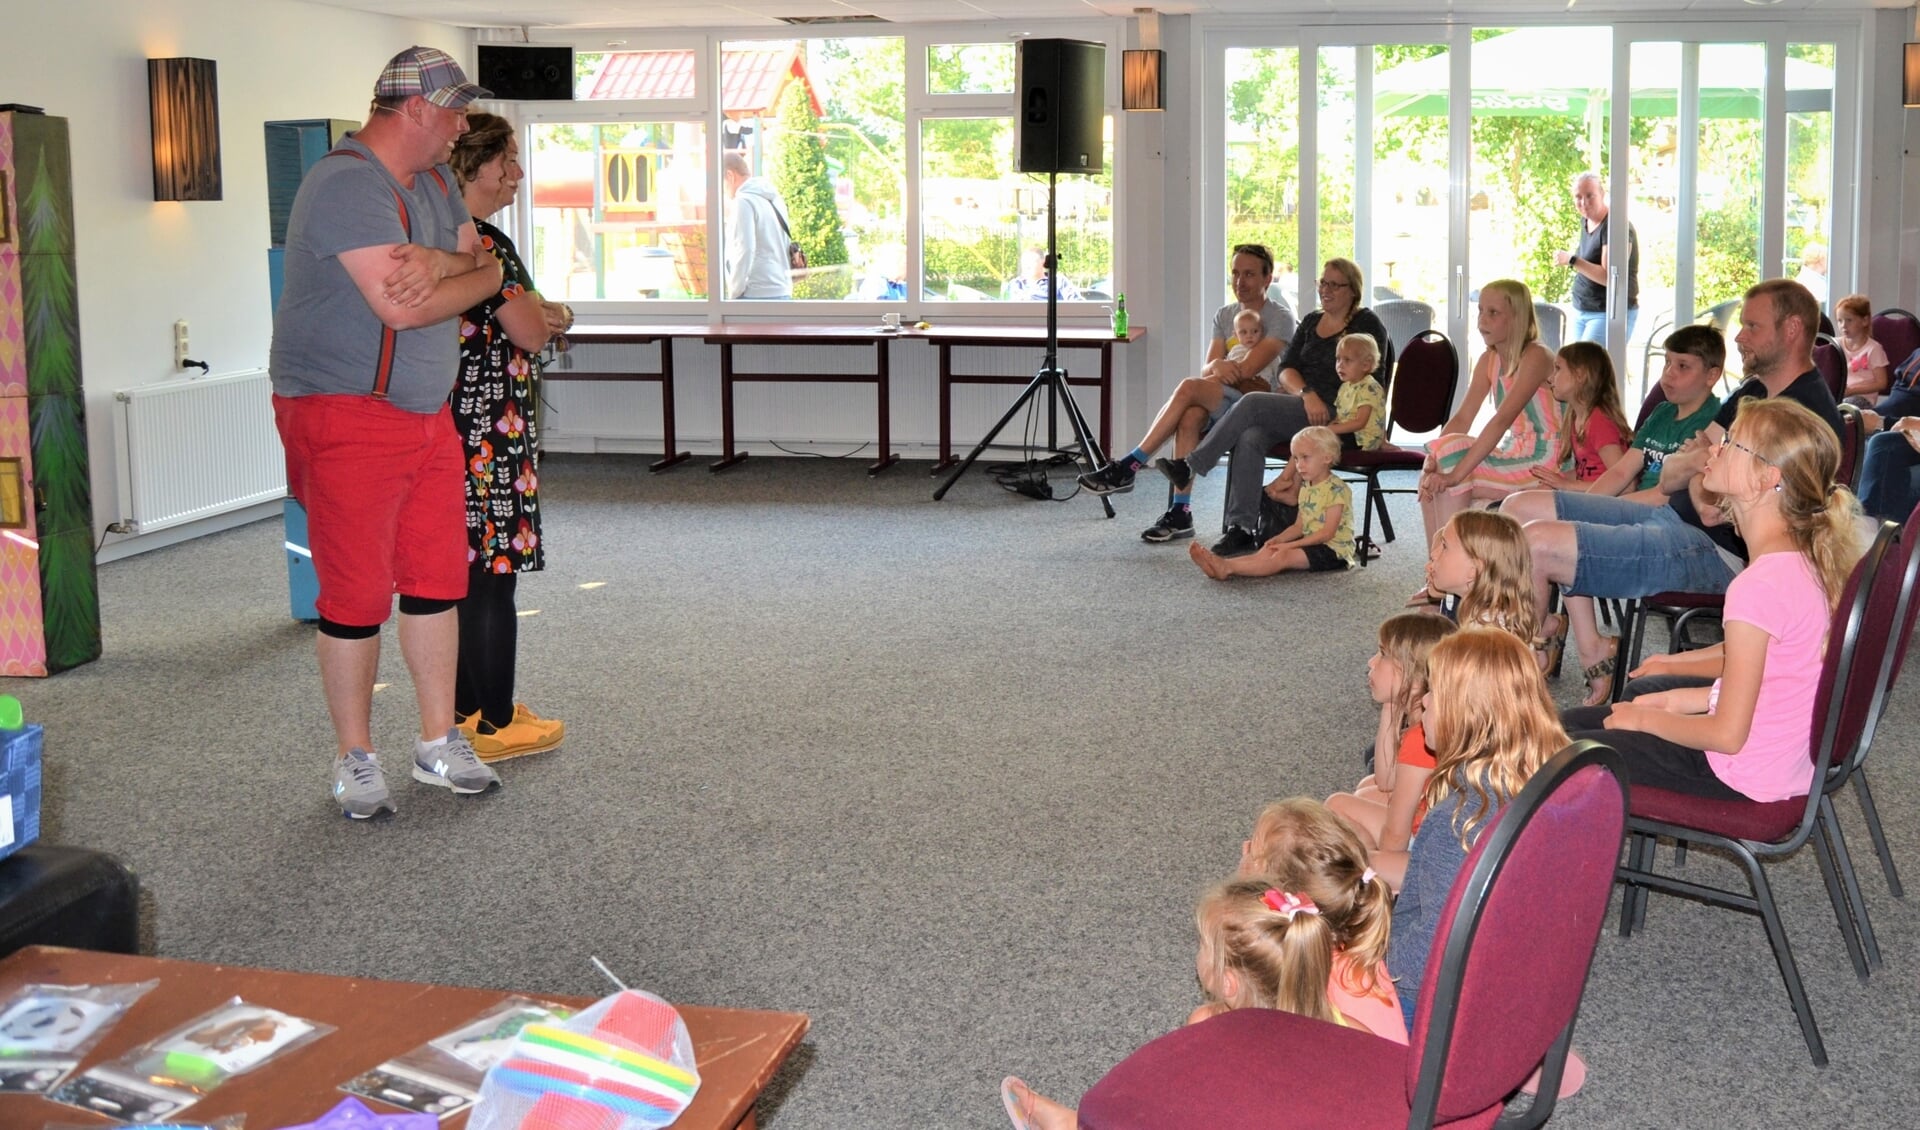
[381, 259]
[1590, 261]
[757, 234]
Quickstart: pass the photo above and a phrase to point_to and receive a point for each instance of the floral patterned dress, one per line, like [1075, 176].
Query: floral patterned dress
[493, 407]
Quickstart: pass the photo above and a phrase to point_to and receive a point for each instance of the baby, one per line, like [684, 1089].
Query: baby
[1247, 333]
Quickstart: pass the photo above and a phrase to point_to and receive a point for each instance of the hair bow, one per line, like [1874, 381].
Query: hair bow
[1289, 904]
[1367, 876]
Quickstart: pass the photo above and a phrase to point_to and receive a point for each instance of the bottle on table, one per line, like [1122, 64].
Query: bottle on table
[1120, 315]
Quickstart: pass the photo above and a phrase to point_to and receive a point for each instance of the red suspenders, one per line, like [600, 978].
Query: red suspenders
[383, 371]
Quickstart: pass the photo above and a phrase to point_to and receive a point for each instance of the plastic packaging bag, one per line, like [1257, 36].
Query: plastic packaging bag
[442, 1076]
[626, 1063]
[46, 1030]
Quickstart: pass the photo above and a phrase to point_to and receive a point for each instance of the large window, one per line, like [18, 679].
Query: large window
[629, 202]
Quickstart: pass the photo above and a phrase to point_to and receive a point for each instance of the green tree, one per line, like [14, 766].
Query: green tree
[801, 176]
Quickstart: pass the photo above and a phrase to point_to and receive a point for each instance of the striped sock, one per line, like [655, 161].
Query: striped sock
[1135, 459]
[1183, 500]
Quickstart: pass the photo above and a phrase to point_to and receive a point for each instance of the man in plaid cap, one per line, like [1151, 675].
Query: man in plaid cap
[381, 258]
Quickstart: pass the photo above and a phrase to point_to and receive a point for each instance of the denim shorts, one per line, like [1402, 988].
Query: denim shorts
[1629, 549]
[1228, 395]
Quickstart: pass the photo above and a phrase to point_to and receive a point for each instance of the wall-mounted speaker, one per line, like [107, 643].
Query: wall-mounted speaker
[527, 74]
[1062, 85]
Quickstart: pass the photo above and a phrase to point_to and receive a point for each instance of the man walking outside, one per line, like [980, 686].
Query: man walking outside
[758, 233]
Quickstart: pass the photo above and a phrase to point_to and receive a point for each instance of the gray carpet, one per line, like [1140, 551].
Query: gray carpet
[947, 777]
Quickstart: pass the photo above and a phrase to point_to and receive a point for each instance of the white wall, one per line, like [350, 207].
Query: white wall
[142, 265]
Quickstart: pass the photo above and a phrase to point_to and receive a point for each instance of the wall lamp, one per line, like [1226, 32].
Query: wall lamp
[1910, 77]
[1143, 80]
[183, 101]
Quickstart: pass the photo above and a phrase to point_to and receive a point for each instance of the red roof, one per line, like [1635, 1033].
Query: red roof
[751, 79]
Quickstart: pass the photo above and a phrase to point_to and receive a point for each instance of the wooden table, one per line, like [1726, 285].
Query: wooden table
[737, 1050]
[662, 334]
[729, 336]
[945, 338]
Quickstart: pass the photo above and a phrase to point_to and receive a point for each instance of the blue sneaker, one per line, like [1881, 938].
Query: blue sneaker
[453, 765]
[359, 788]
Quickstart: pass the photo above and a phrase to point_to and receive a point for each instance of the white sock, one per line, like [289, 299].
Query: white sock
[428, 747]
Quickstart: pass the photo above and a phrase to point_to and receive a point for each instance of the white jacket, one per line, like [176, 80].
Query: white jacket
[757, 244]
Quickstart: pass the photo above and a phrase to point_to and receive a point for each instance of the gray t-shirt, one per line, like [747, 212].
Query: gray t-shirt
[325, 338]
[1276, 322]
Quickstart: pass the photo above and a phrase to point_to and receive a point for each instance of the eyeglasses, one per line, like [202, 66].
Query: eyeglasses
[1332, 284]
[1727, 440]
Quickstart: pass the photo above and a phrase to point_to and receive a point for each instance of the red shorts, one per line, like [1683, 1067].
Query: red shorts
[385, 498]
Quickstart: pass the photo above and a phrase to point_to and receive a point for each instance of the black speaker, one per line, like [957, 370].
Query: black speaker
[527, 74]
[1062, 85]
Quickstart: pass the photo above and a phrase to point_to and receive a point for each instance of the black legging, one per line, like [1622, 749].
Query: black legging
[489, 635]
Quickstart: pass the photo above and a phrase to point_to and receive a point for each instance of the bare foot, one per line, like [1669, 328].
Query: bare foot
[1422, 599]
[1211, 563]
[1029, 1110]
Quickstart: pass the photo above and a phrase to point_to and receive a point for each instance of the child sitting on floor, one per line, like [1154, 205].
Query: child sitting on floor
[1307, 937]
[1481, 556]
[1319, 536]
[1385, 808]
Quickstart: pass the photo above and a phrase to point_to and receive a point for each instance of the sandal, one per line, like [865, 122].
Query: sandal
[1602, 670]
[1018, 1099]
[1551, 647]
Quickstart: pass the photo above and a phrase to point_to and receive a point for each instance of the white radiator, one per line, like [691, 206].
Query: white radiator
[198, 447]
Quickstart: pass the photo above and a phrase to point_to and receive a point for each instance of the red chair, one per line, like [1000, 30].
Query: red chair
[1853, 440]
[1898, 332]
[1832, 363]
[1752, 831]
[1509, 965]
[1422, 398]
[1903, 616]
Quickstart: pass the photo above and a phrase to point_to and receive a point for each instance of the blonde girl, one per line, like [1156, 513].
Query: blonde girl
[1481, 556]
[1524, 431]
[1594, 433]
[1491, 725]
[1302, 927]
[1386, 807]
[1746, 736]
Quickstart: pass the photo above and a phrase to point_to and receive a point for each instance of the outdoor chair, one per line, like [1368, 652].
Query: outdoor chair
[1553, 324]
[1754, 832]
[1421, 397]
[1405, 320]
[1507, 969]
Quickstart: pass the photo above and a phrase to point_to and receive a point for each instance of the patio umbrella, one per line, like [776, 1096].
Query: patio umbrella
[1567, 72]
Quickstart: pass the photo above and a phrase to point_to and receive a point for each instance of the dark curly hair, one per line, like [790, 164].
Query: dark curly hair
[486, 138]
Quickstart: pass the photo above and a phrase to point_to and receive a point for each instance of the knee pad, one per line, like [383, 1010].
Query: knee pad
[341, 631]
[422, 606]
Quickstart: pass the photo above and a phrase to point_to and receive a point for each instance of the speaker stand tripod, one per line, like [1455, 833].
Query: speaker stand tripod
[1050, 380]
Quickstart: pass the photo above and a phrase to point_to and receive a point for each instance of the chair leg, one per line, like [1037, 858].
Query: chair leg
[1386, 519]
[1679, 853]
[1783, 954]
[1633, 899]
[1865, 796]
[1850, 883]
[1836, 894]
[1647, 851]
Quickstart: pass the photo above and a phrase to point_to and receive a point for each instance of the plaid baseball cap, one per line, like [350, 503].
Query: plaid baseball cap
[430, 73]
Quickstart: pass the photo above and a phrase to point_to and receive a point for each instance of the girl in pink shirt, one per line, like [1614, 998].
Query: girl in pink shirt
[1593, 428]
[1747, 735]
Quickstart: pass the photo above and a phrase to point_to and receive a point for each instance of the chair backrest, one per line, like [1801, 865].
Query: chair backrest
[1826, 326]
[1720, 316]
[1656, 396]
[1517, 937]
[1832, 363]
[1897, 331]
[1405, 320]
[1423, 383]
[1553, 325]
[1909, 566]
[1853, 437]
[1850, 669]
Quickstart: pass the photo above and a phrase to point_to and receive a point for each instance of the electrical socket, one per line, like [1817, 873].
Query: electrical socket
[180, 344]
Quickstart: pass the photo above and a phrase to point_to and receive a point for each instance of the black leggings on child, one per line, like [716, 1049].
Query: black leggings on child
[489, 636]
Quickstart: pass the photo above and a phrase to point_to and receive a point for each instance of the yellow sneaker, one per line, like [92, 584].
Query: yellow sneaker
[522, 716]
[469, 725]
[514, 740]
